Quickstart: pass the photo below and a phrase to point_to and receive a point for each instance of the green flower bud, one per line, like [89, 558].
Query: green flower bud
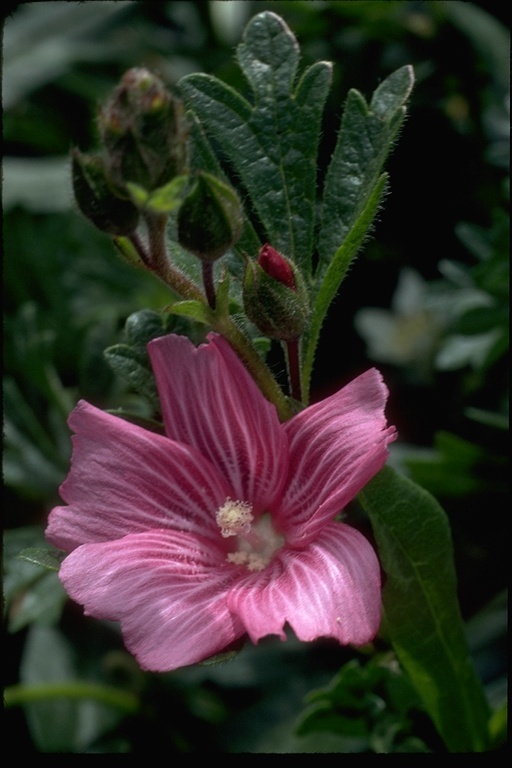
[275, 296]
[95, 198]
[141, 127]
[210, 219]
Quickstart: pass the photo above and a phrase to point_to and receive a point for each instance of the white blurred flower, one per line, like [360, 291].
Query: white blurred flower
[408, 333]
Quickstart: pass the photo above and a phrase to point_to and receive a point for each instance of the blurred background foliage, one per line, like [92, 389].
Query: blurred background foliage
[427, 301]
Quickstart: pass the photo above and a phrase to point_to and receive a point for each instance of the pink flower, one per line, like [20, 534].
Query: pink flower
[225, 526]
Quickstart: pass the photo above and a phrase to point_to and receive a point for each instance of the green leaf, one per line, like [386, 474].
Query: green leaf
[46, 558]
[26, 466]
[354, 187]
[334, 275]
[271, 144]
[370, 701]
[195, 310]
[128, 251]
[31, 594]
[455, 467]
[63, 714]
[143, 326]
[366, 136]
[421, 611]
[133, 365]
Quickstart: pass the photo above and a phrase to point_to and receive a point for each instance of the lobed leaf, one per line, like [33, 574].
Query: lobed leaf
[365, 139]
[271, 144]
[133, 365]
[334, 274]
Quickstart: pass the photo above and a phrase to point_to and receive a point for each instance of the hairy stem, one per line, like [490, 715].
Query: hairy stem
[209, 286]
[254, 364]
[293, 364]
[160, 264]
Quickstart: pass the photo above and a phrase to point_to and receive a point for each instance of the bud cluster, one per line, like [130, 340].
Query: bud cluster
[141, 129]
[143, 143]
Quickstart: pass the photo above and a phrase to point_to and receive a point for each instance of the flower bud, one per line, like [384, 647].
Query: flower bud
[210, 219]
[141, 129]
[275, 296]
[95, 198]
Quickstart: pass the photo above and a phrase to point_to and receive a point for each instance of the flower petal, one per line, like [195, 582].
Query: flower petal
[329, 589]
[210, 401]
[167, 589]
[125, 479]
[336, 447]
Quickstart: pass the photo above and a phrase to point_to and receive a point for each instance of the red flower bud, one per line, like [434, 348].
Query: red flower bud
[276, 266]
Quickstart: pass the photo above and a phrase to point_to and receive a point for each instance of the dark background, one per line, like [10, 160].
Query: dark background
[67, 293]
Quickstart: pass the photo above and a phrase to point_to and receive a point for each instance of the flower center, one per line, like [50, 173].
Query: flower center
[256, 541]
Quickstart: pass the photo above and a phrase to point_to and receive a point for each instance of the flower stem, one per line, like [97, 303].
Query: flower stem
[209, 286]
[140, 247]
[160, 264]
[293, 363]
[254, 364]
[157, 261]
[17, 695]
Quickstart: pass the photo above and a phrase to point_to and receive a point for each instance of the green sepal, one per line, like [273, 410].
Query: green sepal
[160, 201]
[210, 218]
[278, 311]
[96, 198]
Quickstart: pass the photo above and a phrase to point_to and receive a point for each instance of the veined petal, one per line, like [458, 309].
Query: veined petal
[125, 479]
[210, 401]
[336, 447]
[329, 589]
[167, 589]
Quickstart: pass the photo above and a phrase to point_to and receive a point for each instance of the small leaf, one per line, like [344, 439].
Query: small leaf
[128, 251]
[31, 593]
[167, 198]
[195, 310]
[143, 326]
[421, 612]
[41, 603]
[46, 558]
[138, 194]
[133, 365]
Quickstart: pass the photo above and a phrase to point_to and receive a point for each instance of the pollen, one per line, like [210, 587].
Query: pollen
[234, 518]
[256, 540]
